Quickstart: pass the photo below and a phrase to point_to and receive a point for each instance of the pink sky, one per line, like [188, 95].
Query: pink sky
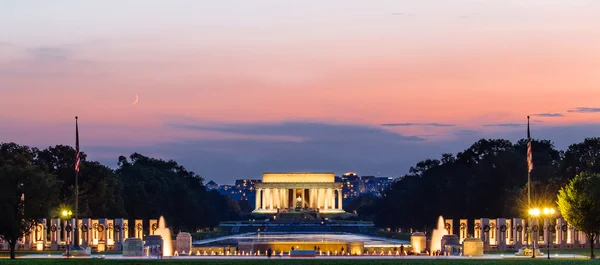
[466, 63]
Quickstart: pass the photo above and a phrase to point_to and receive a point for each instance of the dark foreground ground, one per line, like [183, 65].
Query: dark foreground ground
[295, 262]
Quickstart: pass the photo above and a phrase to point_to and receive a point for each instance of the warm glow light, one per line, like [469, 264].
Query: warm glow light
[548, 211]
[534, 212]
[64, 213]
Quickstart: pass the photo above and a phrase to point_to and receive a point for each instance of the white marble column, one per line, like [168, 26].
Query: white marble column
[267, 195]
[257, 205]
[275, 198]
[311, 199]
[285, 198]
[314, 198]
[319, 198]
[271, 199]
[303, 199]
[326, 197]
[322, 198]
[340, 199]
[280, 197]
[332, 198]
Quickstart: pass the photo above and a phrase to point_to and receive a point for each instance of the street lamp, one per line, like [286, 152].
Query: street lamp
[67, 216]
[548, 212]
[533, 212]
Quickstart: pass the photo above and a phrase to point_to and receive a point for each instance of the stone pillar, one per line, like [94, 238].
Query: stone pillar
[125, 229]
[326, 198]
[332, 198]
[340, 199]
[80, 234]
[477, 228]
[286, 198]
[311, 200]
[519, 229]
[303, 198]
[449, 226]
[485, 236]
[257, 199]
[86, 232]
[276, 198]
[509, 233]
[102, 234]
[74, 226]
[323, 194]
[44, 233]
[110, 233]
[267, 193]
[561, 233]
[54, 233]
[320, 202]
[268, 202]
[463, 229]
[493, 233]
[502, 231]
[139, 229]
[571, 235]
[152, 226]
[94, 232]
[581, 238]
[271, 205]
[318, 195]
[118, 234]
[280, 198]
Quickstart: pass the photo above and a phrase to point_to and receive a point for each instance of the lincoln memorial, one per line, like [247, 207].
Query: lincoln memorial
[298, 192]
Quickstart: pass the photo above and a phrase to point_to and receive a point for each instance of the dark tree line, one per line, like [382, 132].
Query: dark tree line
[140, 188]
[489, 179]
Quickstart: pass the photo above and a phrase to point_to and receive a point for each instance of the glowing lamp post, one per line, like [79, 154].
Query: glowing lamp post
[534, 213]
[67, 216]
[548, 212]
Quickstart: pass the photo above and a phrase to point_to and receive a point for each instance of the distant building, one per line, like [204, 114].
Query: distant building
[243, 189]
[353, 186]
[211, 185]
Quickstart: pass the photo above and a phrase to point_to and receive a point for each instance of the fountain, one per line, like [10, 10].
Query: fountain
[165, 233]
[436, 236]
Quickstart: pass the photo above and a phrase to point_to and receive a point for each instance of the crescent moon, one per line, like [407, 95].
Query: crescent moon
[136, 99]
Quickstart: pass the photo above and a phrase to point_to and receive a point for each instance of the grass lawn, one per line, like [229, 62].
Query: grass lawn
[295, 262]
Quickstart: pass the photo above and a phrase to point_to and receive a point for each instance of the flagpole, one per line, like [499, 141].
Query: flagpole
[528, 168]
[76, 234]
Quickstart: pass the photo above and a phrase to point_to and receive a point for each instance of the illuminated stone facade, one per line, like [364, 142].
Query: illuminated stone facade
[298, 191]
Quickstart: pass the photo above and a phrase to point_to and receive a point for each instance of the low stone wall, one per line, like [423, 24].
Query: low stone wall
[133, 247]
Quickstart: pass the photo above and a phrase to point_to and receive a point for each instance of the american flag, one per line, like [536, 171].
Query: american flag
[77, 160]
[529, 151]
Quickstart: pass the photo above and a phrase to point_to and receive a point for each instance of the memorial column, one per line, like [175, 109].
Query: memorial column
[286, 198]
[277, 199]
[265, 203]
[330, 198]
[340, 199]
[281, 206]
[326, 197]
[271, 199]
[313, 199]
[321, 198]
[303, 199]
[257, 205]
